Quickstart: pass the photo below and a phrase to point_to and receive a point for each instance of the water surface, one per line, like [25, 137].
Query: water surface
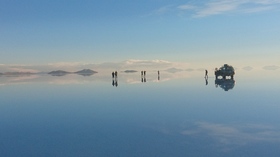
[178, 114]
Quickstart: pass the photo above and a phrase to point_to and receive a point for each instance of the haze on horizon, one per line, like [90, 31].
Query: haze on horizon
[243, 32]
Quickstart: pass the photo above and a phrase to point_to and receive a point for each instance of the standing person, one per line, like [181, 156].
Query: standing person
[116, 74]
[113, 74]
[206, 74]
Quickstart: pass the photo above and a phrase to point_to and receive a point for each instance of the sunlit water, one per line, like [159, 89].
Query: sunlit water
[177, 114]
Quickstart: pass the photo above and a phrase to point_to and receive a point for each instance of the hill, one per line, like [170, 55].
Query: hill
[85, 72]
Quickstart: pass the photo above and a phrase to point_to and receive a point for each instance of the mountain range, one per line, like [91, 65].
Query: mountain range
[84, 72]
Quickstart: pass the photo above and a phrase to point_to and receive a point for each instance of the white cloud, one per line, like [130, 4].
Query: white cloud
[266, 1]
[218, 7]
[258, 9]
[186, 7]
[163, 10]
[237, 6]
[215, 7]
[131, 64]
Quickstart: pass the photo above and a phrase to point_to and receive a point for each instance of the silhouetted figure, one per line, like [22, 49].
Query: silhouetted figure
[144, 73]
[206, 74]
[141, 73]
[158, 76]
[113, 74]
[116, 74]
[142, 79]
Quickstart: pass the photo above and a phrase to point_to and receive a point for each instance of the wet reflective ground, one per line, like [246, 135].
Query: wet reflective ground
[174, 114]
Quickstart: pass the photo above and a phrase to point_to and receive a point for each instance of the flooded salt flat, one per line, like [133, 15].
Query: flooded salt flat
[176, 114]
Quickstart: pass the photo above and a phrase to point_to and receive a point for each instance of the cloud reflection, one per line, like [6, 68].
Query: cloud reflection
[229, 135]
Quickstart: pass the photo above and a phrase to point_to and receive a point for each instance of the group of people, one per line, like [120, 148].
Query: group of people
[143, 73]
[114, 74]
[143, 77]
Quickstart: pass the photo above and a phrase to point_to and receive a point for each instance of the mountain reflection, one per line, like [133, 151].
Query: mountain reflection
[225, 84]
[115, 80]
[59, 75]
[85, 74]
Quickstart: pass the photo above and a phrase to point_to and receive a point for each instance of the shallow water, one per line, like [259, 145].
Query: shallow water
[177, 114]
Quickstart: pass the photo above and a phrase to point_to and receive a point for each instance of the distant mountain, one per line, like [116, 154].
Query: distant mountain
[85, 72]
[271, 67]
[130, 71]
[247, 68]
[58, 73]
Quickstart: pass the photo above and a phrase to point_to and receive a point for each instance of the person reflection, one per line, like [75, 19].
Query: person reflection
[116, 82]
[158, 76]
[206, 81]
[143, 76]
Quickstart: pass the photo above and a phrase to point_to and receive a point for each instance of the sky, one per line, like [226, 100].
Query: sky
[37, 32]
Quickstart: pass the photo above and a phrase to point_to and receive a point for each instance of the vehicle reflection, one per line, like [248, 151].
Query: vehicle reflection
[225, 84]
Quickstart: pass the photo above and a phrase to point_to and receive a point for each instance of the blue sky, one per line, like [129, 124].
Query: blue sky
[96, 31]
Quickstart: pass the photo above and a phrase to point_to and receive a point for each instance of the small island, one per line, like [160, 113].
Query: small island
[85, 72]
